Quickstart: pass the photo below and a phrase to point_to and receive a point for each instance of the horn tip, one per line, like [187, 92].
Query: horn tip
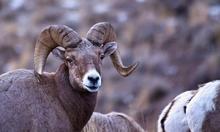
[130, 69]
[38, 71]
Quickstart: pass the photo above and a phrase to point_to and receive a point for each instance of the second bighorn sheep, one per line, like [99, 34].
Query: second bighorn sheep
[64, 100]
[196, 111]
[112, 122]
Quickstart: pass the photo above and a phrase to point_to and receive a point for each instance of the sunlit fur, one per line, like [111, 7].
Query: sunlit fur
[196, 111]
[203, 110]
[173, 116]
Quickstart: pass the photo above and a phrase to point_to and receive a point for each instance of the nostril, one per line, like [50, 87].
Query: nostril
[93, 79]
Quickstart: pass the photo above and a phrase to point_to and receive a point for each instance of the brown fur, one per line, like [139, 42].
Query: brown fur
[112, 122]
[35, 101]
[84, 57]
[52, 105]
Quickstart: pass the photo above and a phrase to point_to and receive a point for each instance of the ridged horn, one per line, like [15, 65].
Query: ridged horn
[102, 33]
[49, 38]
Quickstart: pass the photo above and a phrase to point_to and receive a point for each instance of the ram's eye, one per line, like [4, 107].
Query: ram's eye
[102, 56]
[69, 60]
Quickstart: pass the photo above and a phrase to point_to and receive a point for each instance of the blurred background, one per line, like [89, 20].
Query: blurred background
[177, 43]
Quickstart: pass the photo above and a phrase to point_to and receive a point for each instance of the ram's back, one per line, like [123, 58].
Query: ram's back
[29, 105]
[112, 122]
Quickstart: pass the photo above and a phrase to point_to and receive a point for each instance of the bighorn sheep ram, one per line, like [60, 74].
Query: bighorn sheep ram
[64, 100]
[196, 111]
[112, 122]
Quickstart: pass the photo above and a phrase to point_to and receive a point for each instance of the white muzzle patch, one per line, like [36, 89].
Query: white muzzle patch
[92, 81]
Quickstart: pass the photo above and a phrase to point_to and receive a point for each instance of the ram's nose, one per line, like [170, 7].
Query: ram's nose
[92, 80]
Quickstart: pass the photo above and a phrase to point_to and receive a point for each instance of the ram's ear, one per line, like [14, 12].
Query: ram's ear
[59, 53]
[109, 48]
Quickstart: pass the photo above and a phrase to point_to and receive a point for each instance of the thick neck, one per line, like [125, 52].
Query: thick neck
[78, 105]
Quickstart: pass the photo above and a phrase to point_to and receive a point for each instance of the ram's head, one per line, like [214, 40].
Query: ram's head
[82, 56]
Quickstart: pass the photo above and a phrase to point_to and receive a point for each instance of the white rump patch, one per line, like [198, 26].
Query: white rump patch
[176, 118]
[201, 103]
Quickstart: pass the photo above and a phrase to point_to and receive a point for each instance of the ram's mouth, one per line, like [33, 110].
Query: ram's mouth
[92, 88]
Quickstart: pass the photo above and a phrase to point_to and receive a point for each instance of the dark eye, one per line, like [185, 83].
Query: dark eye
[102, 56]
[69, 60]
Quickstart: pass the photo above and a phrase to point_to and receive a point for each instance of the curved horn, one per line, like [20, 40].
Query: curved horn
[51, 37]
[102, 33]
